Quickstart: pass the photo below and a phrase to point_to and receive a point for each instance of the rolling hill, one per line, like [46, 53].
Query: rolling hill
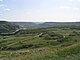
[42, 44]
[46, 24]
[6, 27]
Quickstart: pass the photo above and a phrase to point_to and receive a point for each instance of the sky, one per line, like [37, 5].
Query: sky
[40, 10]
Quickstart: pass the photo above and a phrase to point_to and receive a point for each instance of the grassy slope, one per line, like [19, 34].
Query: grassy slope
[6, 27]
[29, 47]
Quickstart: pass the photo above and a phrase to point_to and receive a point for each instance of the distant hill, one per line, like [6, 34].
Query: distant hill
[46, 24]
[24, 24]
[6, 27]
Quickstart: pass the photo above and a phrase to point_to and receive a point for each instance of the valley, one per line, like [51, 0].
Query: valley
[44, 43]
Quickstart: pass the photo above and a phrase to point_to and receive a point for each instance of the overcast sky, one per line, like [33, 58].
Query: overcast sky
[40, 10]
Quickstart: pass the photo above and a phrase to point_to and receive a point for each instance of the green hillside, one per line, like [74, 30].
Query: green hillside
[6, 27]
[53, 43]
[46, 24]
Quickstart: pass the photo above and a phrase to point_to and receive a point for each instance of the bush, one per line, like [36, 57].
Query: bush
[52, 36]
[62, 40]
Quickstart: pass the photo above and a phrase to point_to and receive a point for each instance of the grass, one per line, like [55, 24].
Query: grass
[29, 47]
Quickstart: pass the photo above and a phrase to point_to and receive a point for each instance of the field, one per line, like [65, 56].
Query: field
[52, 43]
